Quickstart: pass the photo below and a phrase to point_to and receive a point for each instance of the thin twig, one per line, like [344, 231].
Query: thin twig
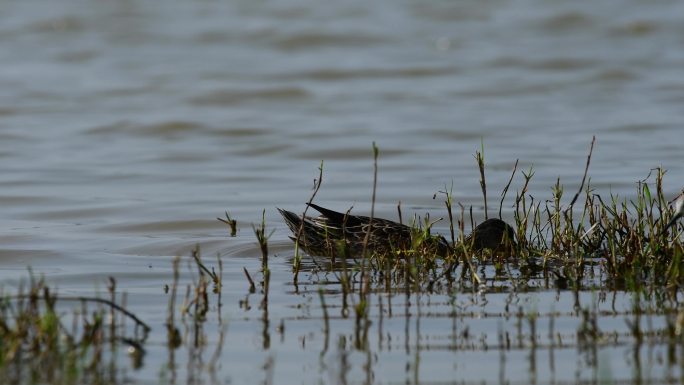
[376, 152]
[505, 190]
[317, 186]
[586, 169]
[252, 287]
[479, 156]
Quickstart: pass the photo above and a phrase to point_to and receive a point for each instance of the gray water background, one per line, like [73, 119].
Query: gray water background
[126, 127]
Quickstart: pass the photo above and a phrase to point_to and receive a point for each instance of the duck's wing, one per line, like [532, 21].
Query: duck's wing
[313, 230]
[336, 219]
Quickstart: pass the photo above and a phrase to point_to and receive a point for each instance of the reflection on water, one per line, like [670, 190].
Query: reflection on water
[126, 128]
[246, 321]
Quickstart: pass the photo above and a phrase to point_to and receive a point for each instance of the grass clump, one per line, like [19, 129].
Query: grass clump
[39, 345]
[563, 240]
[43, 341]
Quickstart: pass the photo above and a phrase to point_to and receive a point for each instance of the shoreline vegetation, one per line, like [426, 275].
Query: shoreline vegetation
[591, 243]
[634, 242]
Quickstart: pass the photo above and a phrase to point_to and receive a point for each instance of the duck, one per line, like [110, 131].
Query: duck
[493, 234]
[332, 232]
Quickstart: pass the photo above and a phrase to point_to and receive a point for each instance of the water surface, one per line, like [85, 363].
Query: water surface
[127, 127]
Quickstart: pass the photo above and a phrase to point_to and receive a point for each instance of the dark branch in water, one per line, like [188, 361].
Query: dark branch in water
[103, 301]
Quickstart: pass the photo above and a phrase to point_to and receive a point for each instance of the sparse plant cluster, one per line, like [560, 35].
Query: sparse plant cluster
[628, 239]
[631, 243]
[203, 298]
[41, 344]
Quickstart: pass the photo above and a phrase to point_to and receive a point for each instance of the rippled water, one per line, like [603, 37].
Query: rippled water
[126, 127]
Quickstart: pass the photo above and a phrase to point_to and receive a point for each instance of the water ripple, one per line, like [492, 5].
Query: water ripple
[368, 73]
[231, 97]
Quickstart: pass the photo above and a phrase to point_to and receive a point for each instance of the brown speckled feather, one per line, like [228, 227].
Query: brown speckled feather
[332, 232]
[325, 234]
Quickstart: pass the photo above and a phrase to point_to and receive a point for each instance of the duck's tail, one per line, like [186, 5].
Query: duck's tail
[293, 221]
